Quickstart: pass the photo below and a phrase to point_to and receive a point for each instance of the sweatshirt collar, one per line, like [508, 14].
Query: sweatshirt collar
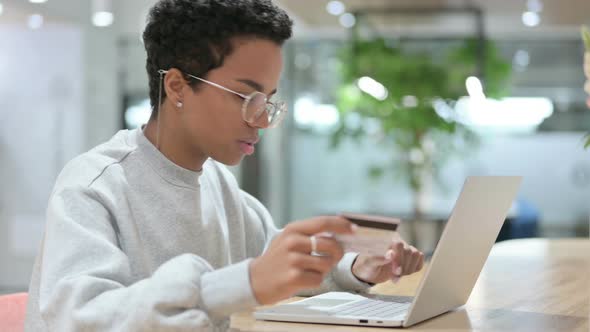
[167, 169]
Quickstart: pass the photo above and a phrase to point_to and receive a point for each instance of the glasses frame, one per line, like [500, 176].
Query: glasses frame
[275, 111]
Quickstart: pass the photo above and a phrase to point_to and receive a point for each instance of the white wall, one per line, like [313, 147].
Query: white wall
[59, 97]
[102, 102]
[41, 128]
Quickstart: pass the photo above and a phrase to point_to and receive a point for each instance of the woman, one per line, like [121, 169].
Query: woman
[149, 231]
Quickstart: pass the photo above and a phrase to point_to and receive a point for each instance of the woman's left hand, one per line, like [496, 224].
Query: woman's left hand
[400, 260]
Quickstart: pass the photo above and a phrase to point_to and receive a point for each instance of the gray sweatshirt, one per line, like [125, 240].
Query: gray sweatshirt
[134, 242]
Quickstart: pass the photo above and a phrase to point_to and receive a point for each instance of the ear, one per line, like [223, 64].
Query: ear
[173, 84]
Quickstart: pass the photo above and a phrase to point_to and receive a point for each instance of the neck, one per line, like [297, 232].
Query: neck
[173, 146]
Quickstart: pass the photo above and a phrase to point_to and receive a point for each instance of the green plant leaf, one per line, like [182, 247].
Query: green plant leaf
[586, 37]
[376, 172]
[407, 118]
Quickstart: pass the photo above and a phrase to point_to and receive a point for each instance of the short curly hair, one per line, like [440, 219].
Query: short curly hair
[194, 36]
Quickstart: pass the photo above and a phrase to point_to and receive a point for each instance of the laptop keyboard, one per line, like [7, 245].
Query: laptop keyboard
[372, 308]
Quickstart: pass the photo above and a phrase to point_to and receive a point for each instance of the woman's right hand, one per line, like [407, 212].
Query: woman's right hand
[288, 267]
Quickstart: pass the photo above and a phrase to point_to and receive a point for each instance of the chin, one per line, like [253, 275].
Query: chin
[228, 160]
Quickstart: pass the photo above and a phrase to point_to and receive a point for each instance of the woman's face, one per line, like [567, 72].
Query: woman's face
[211, 120]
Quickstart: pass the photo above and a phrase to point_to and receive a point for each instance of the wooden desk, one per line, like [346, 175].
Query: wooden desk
[534, 285]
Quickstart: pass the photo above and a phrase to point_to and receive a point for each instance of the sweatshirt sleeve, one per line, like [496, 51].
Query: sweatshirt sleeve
[86, 283]
[340, 278]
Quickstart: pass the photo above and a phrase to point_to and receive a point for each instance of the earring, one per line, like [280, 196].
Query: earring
[179, 104]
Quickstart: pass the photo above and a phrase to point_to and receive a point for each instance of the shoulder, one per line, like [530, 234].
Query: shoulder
[92, 166]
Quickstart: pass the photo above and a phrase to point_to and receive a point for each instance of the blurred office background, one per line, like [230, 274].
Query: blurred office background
[378, 77]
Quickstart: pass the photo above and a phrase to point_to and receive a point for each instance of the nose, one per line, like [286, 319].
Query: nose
[261, 122]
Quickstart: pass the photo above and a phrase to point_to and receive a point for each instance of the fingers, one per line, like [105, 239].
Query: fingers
[337, 225]
[415, 257]
[420, 262]
[397, 261]
[320, 264]
[324, 245]
[305, 278]
[330, 247]
[410, 255]
[405, 260]
[378, 261]
[309, 270]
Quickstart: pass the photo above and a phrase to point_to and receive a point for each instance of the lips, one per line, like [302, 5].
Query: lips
[246, 148]
[247, 145]
[251, 141]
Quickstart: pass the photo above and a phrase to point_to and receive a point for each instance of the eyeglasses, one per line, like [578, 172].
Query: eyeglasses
[255, 105]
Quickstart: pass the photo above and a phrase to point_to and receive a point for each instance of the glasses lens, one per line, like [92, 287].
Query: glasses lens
[277, 114]
[254, 107]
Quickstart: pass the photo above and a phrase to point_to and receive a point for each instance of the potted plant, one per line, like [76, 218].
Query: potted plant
[408, 97]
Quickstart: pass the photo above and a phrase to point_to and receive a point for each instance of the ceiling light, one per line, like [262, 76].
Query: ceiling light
[35, 21]
[37, 1]
[102, 19]
[347, 20]
[1, 9]
[102, 13]
[336, 8]
[531, 19]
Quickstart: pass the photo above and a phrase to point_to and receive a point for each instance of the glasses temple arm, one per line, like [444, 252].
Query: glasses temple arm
[161, 72]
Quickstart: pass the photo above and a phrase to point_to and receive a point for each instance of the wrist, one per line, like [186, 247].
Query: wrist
[254, 282]
[356, 269]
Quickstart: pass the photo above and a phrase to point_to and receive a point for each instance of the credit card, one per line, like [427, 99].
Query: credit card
[372, 221]
[373, 236]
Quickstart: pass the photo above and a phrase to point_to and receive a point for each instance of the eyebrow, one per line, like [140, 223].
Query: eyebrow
[255, 85]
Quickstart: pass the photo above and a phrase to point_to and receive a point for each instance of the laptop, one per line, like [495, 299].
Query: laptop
[457, 261]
